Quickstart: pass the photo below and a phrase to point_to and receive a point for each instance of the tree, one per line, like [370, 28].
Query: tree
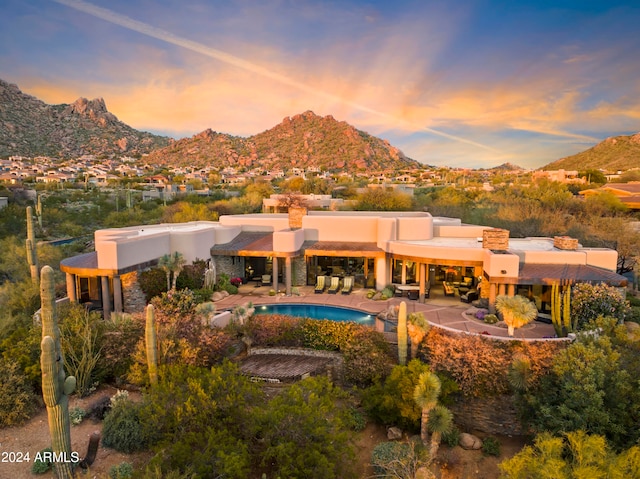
[440, 422]
[417, 328]
[172, 265]
[516, 311]
[380, 199]
[426, 396]
[576, 455]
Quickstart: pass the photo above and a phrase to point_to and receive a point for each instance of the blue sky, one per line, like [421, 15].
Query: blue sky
[458, 83]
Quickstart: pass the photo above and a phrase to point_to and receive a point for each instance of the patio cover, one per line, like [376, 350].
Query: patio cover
[249, 243]
[536, 273]
[342, 248]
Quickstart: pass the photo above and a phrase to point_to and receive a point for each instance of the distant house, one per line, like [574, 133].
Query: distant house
[4, 201]
[628, 193]
[561, 176]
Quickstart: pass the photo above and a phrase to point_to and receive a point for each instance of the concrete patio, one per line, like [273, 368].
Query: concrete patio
[441, 311]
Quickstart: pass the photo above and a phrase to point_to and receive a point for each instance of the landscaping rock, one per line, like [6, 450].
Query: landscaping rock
[470, 442]
[217, 296]
[394, 433]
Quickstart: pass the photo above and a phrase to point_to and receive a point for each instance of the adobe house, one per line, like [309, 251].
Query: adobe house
[376, 248]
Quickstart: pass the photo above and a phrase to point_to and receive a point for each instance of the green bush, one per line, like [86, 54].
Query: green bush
[231, 289]
[451, 438]
[192, 275]
[490, 318]
[153, 282]
[18, 402]
[399, 460]
[122, 429]
[39, 466]
[124, 470]
[76, 415]
[491, 446]
[22, 347]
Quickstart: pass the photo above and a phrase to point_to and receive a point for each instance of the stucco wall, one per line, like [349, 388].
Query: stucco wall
[340, 228]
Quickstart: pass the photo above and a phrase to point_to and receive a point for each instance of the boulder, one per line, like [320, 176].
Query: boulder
[469, 441]
[394, 433]
[217, 296]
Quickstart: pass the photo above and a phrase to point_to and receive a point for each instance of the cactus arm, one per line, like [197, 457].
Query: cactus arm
[402, 334]
[32, 256]
[151, 345]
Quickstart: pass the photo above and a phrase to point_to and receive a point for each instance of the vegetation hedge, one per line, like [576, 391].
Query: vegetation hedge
[18, 402]
[152, 282]
[367, 356]
[480, 365]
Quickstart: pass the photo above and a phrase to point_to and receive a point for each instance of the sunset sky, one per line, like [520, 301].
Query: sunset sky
[458, 83]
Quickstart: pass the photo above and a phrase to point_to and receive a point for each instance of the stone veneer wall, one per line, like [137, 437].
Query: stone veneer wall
[133, 298]
[491, 415]
[227, 265]
[496, 239]
[299, 267]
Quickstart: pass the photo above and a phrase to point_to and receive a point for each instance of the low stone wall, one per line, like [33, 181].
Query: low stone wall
[491, 415]
[337, 362]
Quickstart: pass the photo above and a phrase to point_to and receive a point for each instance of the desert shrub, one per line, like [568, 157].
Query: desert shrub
[490, 319]
[305, 434]
[202, 295]
[192, 275]
[81, 338]
[355, 420]
[451, 438]
[156, 472]
[588, 302]
[274, 330]
[152, 282]
[391, 401]
[122, 428]
[387, 292]
[121, 336]
[182, 337]
[76, 415]
[367, 358]
[202, 420]
[399, 460]
[479, 365]
[18, 402]
[98, 409]
[39, 466]
[124, 470]
[22, 347]
[490, 446]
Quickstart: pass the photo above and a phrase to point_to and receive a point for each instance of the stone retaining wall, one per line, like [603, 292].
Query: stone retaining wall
[491, 415]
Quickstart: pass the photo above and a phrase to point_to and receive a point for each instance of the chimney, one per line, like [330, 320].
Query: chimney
[496, 239]
[565, 242]
[296, 213]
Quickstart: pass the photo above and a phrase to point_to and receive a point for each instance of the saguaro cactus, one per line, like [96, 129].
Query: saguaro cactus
[151, 345]
[32, 256]
[56, 386]
[402, 334]
[39, 210]
[561, 310]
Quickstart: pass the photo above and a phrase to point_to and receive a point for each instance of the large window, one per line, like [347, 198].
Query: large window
[362, 269]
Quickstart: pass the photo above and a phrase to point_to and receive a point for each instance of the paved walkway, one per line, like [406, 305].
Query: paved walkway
[446, 312]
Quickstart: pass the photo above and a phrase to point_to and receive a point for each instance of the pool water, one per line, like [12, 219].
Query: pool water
[318, 311]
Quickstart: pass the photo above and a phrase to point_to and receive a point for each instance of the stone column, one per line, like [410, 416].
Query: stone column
[117, 294]
[502, 289]
[287, 275]
[71, 287]
[274, 274]
[511, 290]
[422, 281]
[106, 297]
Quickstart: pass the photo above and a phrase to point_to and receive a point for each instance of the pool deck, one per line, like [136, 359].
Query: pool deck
[439, 310]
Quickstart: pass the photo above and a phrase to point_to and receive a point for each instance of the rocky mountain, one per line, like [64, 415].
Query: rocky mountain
[612, 154]
[30, 127]
[305, 140]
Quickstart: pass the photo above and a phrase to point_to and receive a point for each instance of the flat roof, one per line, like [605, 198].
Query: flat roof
[536, 273]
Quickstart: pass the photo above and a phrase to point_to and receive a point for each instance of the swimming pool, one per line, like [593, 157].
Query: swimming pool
[318, 311]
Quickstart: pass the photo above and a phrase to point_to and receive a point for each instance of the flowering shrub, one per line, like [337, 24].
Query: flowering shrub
[236, 281]
[480, 314]
[480, 365]
[588, 302]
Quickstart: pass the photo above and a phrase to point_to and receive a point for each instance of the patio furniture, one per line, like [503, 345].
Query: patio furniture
[348, 285]
[449, 290]
[335, 285]
[413, 294]
[320, 284]
[469, 296]
[266, 279]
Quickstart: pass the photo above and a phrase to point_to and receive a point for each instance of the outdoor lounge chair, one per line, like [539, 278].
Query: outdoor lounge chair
[335, 285]
[469, 296]
[348, 285]
[449, 290]
[320, 284]
[266, 279]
